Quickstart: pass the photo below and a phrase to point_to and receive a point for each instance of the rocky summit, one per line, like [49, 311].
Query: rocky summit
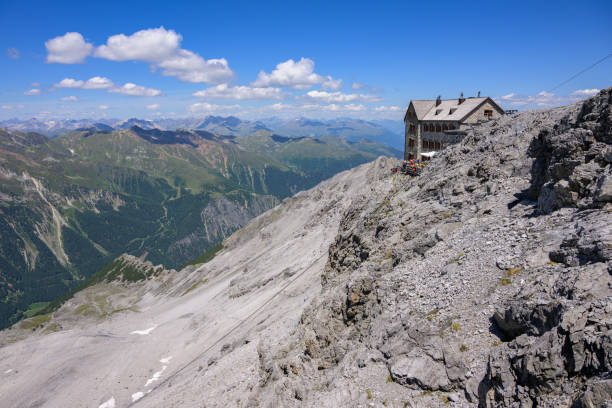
[484, 282]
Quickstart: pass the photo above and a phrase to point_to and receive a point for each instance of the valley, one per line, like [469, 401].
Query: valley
[71, 204]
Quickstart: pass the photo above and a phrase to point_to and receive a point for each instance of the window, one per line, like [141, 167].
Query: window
[437, 145]
[411, 142]
[424, 144]
[488, 113]
[438, 128]
[412, 128]
[425, 127]
[444, 127]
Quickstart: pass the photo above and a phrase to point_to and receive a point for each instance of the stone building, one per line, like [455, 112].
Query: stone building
[433, 124]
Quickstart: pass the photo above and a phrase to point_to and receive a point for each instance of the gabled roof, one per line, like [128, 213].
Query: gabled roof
[422, 107]
[448, 109]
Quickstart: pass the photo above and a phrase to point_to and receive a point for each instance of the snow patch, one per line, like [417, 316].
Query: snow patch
[137, 395]
[144, 332]
[10, 369]
[108, 404]
[156, 376]
[165, 360]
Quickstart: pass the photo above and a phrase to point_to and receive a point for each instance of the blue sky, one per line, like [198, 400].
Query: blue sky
[285, 58]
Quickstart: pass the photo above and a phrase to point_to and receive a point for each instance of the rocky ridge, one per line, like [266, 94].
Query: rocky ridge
[484, 282]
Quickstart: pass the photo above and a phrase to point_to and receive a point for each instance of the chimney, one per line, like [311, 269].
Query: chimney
[461, 99]
[438, 101]
[479, 94]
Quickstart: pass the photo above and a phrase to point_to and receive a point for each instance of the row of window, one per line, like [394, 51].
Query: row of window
[426, 145]
[431, 145]
[437, 128]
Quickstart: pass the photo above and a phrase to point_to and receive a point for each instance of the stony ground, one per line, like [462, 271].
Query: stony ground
[484, 282]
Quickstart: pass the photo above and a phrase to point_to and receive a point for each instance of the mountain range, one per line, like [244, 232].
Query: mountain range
[70, 204]
[484, 282]
[387, 132]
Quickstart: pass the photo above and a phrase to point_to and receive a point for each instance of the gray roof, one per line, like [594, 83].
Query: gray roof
[448, 110]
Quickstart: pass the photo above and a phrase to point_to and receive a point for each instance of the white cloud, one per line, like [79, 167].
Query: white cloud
[155, 106]
[135, 90]
[355, 86]
[347, 108]
[190, 67]
[70, 48]
[70, 98]
[92, 83]
[331, 84]
[12, 53]
[388, 109]
[298, 75]
[98, 83]
[334, 97]
[103, 107]
[152, 45]
[34, 84]
[6, 107]
[161, 48]
[69, 83]
[544, 99]
[33, 91]
[585, 92]
[223, 91]
[207, 107]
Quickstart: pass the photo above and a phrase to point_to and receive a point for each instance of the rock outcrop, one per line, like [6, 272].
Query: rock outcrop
[484, 282]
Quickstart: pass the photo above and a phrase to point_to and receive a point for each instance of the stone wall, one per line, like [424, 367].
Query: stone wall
[478, 114]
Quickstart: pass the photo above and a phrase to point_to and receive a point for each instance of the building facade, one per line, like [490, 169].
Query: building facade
[431, 125]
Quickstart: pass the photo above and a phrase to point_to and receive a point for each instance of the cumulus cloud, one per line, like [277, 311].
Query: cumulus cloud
[152, 45]
[71, 48]
[348, 108]
[190, 67]
[297, 75]
[544, 99]
[69, 83]
[135, 90]
[155, 106]
[98, 83]
[356, 86]
[388, 109]
[92, 83]
[161, 48]
[208, 107]
[585, 92]
[157, 46]
[334, 97]
[33, 91]
[12, 53]
[223, 91]
[331, 84]
[69, 99]
[103, 107]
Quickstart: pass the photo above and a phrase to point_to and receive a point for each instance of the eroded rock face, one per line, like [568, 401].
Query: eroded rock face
[484, 282]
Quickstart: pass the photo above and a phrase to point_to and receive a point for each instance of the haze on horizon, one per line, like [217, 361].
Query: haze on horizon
[285, 59]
